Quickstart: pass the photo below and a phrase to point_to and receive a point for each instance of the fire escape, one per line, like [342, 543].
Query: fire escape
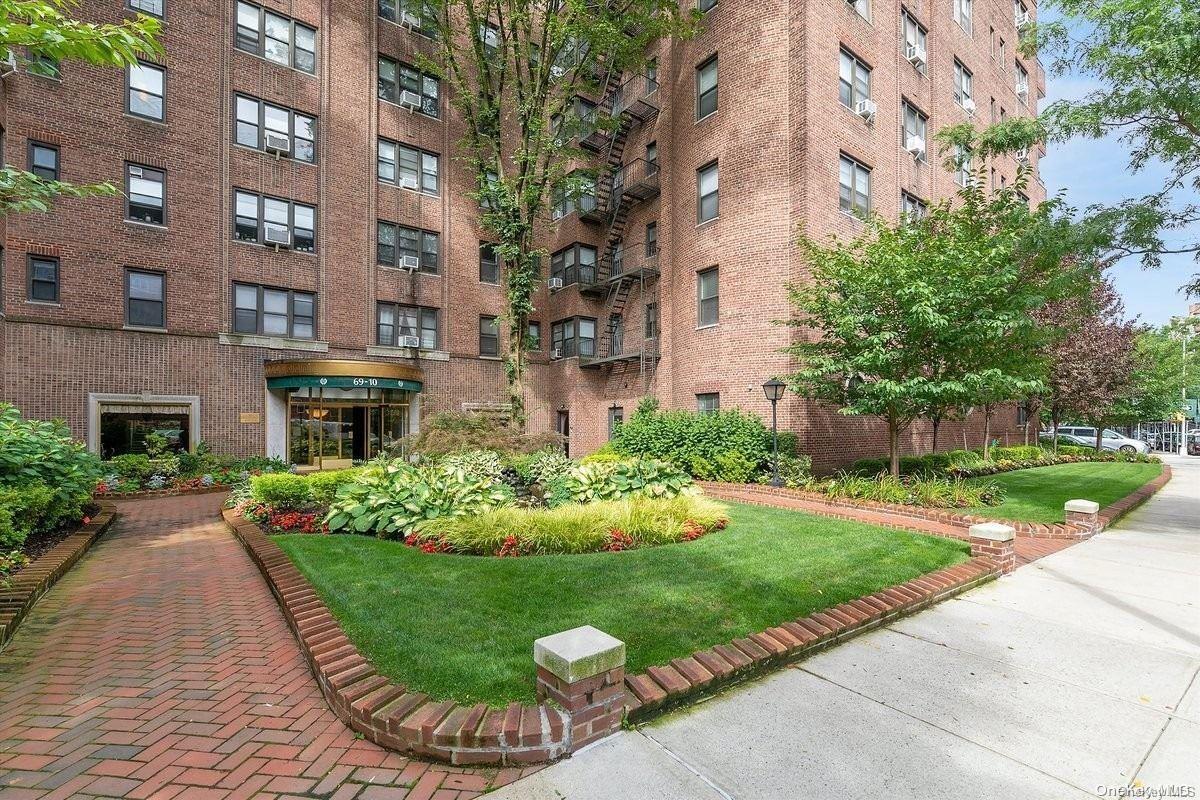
[621, 187]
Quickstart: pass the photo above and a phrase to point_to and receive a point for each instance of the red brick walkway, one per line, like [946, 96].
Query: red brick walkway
[161, 667]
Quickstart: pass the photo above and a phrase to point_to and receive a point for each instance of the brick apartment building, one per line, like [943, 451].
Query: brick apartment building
[301, 123]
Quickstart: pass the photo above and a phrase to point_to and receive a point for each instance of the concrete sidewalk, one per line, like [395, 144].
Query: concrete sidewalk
[1077, 673]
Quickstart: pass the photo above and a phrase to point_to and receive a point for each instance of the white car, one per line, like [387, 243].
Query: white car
[1109, 439]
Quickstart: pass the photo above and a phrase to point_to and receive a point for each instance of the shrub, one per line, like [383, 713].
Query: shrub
[281, 491]
[693, 441]
[545, 465]
[449, 432]
[131, 465]
[595, 527]
[606, 452]
[396, 499]
[323, 486]
[1018, 453]
[33, 452]
[733, 467]
[794, 471]
[614, 480]
[913, 491]
[478, 464]
[22, 512]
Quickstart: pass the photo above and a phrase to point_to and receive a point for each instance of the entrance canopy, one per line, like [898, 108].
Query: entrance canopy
[342, 374]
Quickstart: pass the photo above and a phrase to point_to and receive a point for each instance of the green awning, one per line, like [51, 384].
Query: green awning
[341, 382]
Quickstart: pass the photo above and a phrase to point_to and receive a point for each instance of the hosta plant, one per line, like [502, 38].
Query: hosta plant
[613, 480]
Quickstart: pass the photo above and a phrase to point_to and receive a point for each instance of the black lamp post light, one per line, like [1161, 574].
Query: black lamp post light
[774, 390]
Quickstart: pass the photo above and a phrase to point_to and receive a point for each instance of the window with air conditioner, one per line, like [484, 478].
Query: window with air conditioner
[915, 38]
[406, 326]
[412, 14]
[1022, 83]
[913, 132]
[962, 87]
[259, 219]
[854, 81]
[145, 194]
[274, 129]
[575, 263]
[407, 86]
[407, 248]
[408, 167]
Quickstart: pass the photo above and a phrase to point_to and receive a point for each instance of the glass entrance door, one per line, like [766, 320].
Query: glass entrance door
[333, 428]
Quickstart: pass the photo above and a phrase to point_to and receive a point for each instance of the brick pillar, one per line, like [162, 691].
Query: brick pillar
[995, 541]
[1083, 512]
[583, 671]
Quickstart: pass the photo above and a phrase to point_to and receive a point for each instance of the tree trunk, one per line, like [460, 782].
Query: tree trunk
[987, 432]
[937, 423]
[1054, 427]
[1099, 436]
[894, 444]
[515, 368]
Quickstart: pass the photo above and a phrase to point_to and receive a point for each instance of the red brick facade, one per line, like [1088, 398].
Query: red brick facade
[777, 136]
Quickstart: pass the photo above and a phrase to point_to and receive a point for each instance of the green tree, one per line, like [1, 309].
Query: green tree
[1161, 374]
[515, 69]
[36, 35]
[1144, 58]
[932, 314]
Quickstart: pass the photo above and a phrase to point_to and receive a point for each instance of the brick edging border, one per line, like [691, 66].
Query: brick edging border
[412, 722]
[36, 578]
[827, 506]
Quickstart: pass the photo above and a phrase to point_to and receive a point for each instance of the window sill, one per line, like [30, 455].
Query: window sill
[271, 247]
[390, 268]
[161, 123]
[407, 189]
[266, 60]
[413, 31]
[490, 358]
[141, 329]
[394, 104]
[149, 226]
[290, 159]
[707, 116]
[272, 342]
[707, 327]
[708, 222]
[390, 351]
[44, 303]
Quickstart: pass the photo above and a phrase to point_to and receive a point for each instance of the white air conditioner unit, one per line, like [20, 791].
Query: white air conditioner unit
[1022, 155]
[9, 64]
[1023, 92]
[277, 142]
[410, 341]
[865, 109]
[410, 99]
[915, 54]
[410, 263]
[554, 284]
[408, 182]
[410, 20]
[968, 106]
[280, 237]
[135, 172]
[1022, 19]
[916, 146]
[556, 353]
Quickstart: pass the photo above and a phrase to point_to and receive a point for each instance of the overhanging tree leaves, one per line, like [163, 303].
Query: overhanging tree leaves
[515, 69]
[35, 34]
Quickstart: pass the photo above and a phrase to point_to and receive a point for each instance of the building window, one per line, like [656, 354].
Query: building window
[273, 312]
[276, 129]
[651, 240]
[147, 91]
[855, 181]
[616, 416]
[145, 299]
[706, 88]
[42, 286]
[408, 167]
[276, 38]
[489, 263]
[412, 14]
[579, 195]
[707, 190]
[575, 336]
[407, 86]
[44, 66]
[913, 132]
[533, 335]
[913, 207]
[707, 297]
[1022, 83]
[708, 402]
[146, 194]
[854, 80]
[153, 7]
[271, 221]
[706, 5]
[43, 160]
[962, 13]
[650, 330]
[915, 43]
[962, 162]
[408, 248]
[862, 7]
[396, 321]
[489, 336]
[575, 263]
[962, 85]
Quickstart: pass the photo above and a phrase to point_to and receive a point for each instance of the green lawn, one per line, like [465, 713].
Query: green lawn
[1038, 494]
[462, 627]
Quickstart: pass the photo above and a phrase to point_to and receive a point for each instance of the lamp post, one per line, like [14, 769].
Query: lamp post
[774, 390]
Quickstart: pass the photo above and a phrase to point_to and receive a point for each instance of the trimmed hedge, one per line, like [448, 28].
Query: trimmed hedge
[723, 445]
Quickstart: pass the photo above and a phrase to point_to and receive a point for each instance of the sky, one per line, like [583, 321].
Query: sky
[1097, 171]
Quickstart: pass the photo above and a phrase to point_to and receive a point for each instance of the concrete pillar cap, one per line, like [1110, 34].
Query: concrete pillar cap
[1082, 506]
[994, 531]
[579, 653]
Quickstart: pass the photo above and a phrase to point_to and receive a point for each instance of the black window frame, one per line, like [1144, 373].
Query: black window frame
[856, 167]
[422, 173]
[923, 123]
[422, 251]
[35, 145]
[533, 335]
[260, 310]
[261, 127]
[573, 273]
[962, 78]
[129, 299]
[484, 338]
[30, 280]
[396, 16]
[572, 345]
[715, 298]
[716, 193]
[132, 5]
[162, 70]
[702, 397]
[650, 323]
[907, 200]
[616, 414]
[261, 220]
[129, 204]
[492, 263]
[713, 91]
[260, 42]
[421, 315]
[651, 240]
[431, 104]
[857, 66]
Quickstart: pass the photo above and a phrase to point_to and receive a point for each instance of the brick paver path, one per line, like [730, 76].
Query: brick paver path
[161, 667]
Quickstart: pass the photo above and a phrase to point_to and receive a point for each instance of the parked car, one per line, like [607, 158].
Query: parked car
[1109, 439]
[1066, 438]
[1193, 444]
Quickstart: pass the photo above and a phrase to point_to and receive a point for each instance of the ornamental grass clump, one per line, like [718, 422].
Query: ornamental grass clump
[913, 491]
[607, 525]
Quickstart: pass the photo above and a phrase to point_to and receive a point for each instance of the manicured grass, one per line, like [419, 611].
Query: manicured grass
[462, 627]
[1038, 494]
